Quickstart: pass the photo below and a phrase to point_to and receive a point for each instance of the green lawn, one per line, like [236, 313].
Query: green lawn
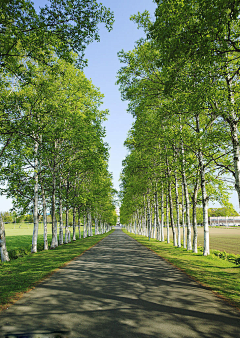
[20, 275]
[222, 276]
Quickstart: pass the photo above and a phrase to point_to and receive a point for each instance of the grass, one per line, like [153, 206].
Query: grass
[20, 275]
[19, 235]
[221, 276]
[221, 238]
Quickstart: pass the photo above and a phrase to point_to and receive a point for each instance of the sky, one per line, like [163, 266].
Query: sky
[103, 65]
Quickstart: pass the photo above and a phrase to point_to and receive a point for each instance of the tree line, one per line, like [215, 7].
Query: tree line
[182, 84]
[53, 154]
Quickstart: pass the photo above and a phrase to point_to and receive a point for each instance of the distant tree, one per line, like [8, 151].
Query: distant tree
[225, 211]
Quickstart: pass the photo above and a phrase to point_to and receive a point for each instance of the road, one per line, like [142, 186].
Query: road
[119, 289]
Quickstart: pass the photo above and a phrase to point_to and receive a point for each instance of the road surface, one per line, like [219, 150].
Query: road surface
[119, 289]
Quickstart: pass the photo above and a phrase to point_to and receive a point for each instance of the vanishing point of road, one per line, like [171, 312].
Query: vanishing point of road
[119, 288]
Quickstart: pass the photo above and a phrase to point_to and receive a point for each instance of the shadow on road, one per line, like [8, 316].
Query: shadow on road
[119, 289]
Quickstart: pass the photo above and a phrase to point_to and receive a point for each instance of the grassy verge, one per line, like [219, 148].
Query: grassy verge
[221, 276]
[20, 275]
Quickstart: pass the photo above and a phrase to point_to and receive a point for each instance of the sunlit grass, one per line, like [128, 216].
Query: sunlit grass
[21, 274]
[220, 275]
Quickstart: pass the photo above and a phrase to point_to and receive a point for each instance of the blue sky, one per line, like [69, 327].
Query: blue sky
[103, 65]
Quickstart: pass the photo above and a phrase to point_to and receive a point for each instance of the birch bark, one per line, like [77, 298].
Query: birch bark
[206, 249]
[233, 121]
[74, 224]
[183, 218]
[35, 200]
[54, 243]
[60, 216]
[178, 214]
[162, 216]
[194, 212]
[148, 218]
[159, 237]
[45, 240]
[3, 247]
[167, 219]
[187, 204]
[84, 226]
[171, 205]
[66, 227]
[79, 225]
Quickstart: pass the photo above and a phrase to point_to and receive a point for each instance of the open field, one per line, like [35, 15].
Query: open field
[222, 276]
[19, 235]
[223, 239]
[20, 275]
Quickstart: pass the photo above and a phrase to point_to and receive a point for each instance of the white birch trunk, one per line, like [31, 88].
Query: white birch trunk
[194, 204]
[233, 121]
[35, 201]
[158, 226]
[45, 240]
[60, 217]
[167, 219]
[162, 216]
[79, 225]
[66, 227]
[155, 219]
[187, 204]
[74, 224]
[183, 218]
[84, 227]
[148, 219]
[171, 205]
[206, 248]
[54, 243]
[171, 214]
[3, 247]
[96, 226]
[178, 214]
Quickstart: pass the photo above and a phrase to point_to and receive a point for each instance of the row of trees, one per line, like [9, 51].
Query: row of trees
[182, 82]
[53, 156]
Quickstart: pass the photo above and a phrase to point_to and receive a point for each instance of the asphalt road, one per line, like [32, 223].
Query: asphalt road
[119, 289]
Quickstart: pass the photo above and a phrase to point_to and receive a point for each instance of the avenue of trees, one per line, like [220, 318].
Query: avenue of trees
[182, 84]
[52, 153]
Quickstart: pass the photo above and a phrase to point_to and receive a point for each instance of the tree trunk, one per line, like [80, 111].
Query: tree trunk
[236, 156]
[148, 218]
[74, 224]
[171, 205]
[96, 226]
[177, 210]
[167, 219]
[35, 201]
[206, 249]
[66, 227]
[194, 216]
[45, 240]
[162, 216]
[159, 237]
[79, 225]
[189, 242]
[3, 247]
[183, 218]
[60, 217]
[84, 226]
[54, 243]
[233, 121]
